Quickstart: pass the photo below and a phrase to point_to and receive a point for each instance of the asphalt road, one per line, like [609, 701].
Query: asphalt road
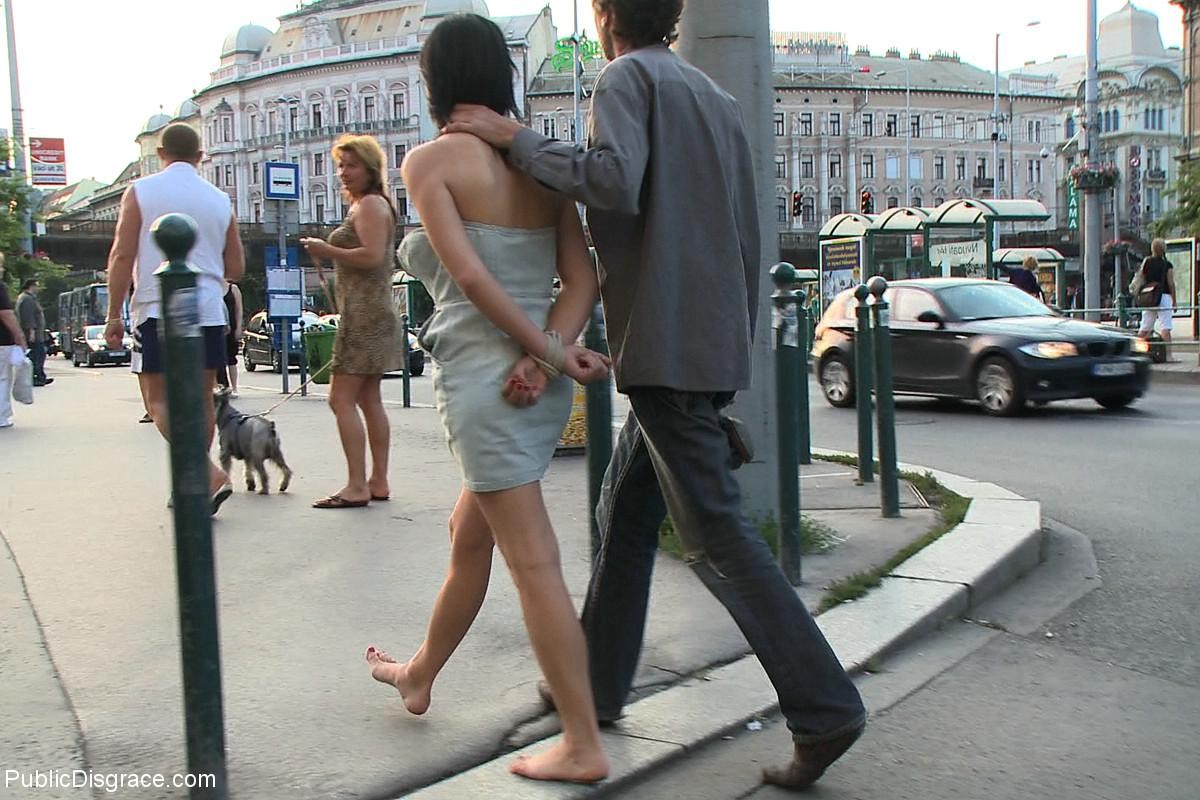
[1095, 697]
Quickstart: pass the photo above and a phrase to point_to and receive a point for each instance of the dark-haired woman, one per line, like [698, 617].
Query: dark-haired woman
[366, 343]
[492, 243]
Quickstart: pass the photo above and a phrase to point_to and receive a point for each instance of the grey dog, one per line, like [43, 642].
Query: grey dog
[251, 439]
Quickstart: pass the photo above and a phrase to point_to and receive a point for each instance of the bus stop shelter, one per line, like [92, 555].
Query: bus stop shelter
[1050, 272]
[971, 215]
[904, 223]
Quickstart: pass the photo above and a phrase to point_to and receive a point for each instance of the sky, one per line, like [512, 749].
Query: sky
[93, 72]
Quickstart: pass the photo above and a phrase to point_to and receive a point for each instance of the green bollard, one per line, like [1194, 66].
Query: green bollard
[599, 426]
[406, 386]
[786, 379]
[885, 404]
[803, 431]
[862, 383]
[1122, 311]
[303, 362]
[199, 642]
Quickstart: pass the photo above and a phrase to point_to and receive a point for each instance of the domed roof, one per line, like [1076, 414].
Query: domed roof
[1129, 31]
[186, 109]
[246, 39]
[156, 121]
[444, 8]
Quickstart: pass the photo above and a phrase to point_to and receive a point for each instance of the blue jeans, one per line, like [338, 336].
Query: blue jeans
[672, 454]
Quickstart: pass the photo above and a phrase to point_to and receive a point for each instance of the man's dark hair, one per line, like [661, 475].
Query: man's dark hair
[466, 60]
[644, 22]
[31, 282]
[180, 142]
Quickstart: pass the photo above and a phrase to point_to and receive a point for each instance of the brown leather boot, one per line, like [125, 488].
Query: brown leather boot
[811, 760]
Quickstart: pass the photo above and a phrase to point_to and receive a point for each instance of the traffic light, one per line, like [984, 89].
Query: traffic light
[865, 203]
[796, 208]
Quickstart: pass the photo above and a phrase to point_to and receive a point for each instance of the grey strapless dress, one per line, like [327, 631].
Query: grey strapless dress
[497, 445]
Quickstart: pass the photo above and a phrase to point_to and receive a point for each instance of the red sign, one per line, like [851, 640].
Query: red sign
[47, 162]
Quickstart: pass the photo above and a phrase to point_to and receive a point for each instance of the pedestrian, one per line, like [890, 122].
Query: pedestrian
[33, 325]
[1024, 277]
[366, 344]
[655, 198]
[1158, 272]
[227, 375]
[492, 243]
[12, 345]
[217, 255]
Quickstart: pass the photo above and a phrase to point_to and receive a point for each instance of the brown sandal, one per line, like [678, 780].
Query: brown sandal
[337, 501]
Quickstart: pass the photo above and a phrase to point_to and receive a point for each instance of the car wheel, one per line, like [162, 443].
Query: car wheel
[837, 382]
[1114, 402]
[997, 388]
[249, 362]
[75, 362]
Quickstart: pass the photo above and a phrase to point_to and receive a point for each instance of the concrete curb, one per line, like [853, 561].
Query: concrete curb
[998, 541]
[1175, 375]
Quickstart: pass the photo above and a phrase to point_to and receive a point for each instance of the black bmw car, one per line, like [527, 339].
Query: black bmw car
[987, 341]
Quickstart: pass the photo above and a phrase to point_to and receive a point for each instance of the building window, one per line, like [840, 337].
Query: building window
[868, 168]
[257, 214]
[343, 111]
[271, 121]
[550, 127]
[980, 129]
[1035, 170]
[960, 127]
[806, 124]
[252, 126]
[891, 167]
[1000, 170]
[960, 168]
[319, 206]
[939, 168]
[868, 125]
[835, 165]
[398, 153]
[229, 175]
[914, 125]
[216, 176]
[1069, 127]
[781, 209]
[226, 129]
[891, 125]
[835, 205]
[315, 115]
[1162, 125]
[939, 126]
[293, 118]
[318, 165]
[916, 201]
[893, 202]
[369, 108]
[807, 211]
[1107, 120]
[779, 124]
[398, 106]
[915, 172]
[806, 166]
[780, 165]
[254, 173]
[1037, 128]
[835, 124]
[981, 167]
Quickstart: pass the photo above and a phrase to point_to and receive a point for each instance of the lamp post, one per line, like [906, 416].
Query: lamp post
[907, 134]
[284, 104]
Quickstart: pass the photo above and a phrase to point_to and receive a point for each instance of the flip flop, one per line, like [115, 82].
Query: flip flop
[381, 498]
[220, 496]
[337, 501]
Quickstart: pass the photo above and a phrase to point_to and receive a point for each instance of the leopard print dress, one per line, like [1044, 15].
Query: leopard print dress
[368, 336]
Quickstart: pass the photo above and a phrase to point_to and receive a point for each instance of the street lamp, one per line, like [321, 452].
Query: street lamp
[996, 115]
[907, 132]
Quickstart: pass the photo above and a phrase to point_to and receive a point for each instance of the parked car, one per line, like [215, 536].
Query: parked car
[263, 344]
[416, 356]
[987, 341]
[91, 349]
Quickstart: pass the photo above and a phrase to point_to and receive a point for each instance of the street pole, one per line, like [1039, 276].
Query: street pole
[18, 122]
[1091, 195]
[907, 151]
[577, 67]
[730, 42]
[996, 134]
[286, 334]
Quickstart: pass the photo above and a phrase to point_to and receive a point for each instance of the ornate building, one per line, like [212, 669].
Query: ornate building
[1191, 75]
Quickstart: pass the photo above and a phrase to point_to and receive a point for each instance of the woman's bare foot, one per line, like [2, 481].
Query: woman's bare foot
[386, 669]
[558, 764]
[379, 489]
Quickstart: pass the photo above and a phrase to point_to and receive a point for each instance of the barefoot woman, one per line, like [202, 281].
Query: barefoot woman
[492, 243]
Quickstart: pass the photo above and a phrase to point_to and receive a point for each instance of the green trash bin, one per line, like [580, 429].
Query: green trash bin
[318, 351]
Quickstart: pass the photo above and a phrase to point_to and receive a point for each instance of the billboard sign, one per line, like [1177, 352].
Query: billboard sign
[841, 262]
[283, 181]
[960, 258]
[47, 162]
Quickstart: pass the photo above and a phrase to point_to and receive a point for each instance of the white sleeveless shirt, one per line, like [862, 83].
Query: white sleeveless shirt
[179, 189]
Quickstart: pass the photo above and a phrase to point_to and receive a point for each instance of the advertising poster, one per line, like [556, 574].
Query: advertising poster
[47, 162]
[841, 266]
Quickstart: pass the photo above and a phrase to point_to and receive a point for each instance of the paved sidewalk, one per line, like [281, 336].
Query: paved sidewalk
[90, 632]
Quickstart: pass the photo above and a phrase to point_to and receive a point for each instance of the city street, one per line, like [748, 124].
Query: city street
[1098, 699]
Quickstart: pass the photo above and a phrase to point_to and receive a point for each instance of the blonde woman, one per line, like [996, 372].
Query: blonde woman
[366, 345]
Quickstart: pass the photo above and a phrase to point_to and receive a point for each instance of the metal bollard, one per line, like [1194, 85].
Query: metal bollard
[199, 642]
[598, 399]
[803, 431]
[406, 386]
[786, 379]
[303, 361]
[1122, 311]
[862, 382]
[885, 405]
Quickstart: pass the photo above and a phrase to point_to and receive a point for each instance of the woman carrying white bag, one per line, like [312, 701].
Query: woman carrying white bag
[13, 363]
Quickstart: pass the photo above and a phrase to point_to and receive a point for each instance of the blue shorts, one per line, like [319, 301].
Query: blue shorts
[148, 352]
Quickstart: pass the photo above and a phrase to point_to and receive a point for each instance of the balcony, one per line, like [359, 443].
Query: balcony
[982, 183]
[1156, 175]
[316, 57]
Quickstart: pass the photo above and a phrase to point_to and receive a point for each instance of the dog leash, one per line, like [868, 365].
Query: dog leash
[295, 391]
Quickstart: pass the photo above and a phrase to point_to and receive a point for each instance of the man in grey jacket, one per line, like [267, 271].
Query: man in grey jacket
[668, 182]
[33, 323]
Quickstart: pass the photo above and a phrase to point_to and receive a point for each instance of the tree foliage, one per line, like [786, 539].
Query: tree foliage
[1184, 218]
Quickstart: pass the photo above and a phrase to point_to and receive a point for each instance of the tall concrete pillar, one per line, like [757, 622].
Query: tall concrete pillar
[731, 43]
[1091, 197]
